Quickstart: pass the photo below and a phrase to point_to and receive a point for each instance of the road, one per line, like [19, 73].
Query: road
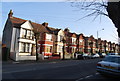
[75, 70]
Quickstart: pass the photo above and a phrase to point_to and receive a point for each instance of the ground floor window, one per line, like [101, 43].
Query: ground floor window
[48, 49]
[73, 50]
[60, 48]
[33, 52]
[81, 49]
[89, 50]
[24, 47]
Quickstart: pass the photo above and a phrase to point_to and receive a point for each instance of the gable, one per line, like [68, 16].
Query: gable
[74, 35]
[61, 32]
[27, 25]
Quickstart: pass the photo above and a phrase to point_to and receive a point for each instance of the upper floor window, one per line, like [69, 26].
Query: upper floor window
[81, 42]
[27, 34]
[23, 33]
[60, 38]
[48, 37]
[73, 40]
[94, 44]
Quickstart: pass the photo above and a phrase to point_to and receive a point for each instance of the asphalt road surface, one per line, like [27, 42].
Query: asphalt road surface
[75, 70]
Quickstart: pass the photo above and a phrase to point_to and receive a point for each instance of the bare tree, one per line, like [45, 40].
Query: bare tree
[100, 7]
[94, 8]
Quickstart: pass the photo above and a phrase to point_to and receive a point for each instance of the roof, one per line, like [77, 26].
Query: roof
[37, 28]
[17, 21]
[56, 31]
[80, 35]
[72, 35]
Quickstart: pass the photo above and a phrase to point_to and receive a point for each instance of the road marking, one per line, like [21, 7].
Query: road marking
[87, 77]
[96, 73]
[80, 79]
[57, 66]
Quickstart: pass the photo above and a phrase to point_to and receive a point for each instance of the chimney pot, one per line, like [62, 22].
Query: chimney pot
[10, 14]
[45, 24]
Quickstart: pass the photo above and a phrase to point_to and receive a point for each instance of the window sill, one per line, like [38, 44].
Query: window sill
[24, 52]
[25, 38]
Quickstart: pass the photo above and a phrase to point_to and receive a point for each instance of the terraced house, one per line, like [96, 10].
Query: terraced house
[80, 43]
[117, 49]
[90, 45]
[18, 36]
[58, 43]
[44, 38]
[26, 40]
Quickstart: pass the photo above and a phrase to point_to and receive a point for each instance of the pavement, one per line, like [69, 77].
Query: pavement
[30, 61]
[50, 69]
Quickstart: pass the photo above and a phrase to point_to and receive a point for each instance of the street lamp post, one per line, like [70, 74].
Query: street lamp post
[98, 32]
[98, 36]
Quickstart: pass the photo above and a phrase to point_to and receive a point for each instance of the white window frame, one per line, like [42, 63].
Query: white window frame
[48, 37]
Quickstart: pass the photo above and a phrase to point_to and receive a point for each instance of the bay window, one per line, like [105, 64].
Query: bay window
[23, 33]
[81, 42]
[27, 34]
[73, 40]
[60, 38]
[24, 47]
[48, 49]
[48, 37]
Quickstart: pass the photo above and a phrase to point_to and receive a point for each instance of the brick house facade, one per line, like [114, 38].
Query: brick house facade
[80, 43]
[25, 38]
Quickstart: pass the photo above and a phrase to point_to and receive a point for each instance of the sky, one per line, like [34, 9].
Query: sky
[61, 15]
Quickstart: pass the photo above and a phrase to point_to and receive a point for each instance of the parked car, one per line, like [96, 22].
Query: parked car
[113, 54]
[81, 56]
[90, 56]
[110, 65]
[102, 55]
[78, 55]
[85, 56]
[95, 55]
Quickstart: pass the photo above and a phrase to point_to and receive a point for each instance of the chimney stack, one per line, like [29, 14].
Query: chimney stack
[10, 14]
[45, 24]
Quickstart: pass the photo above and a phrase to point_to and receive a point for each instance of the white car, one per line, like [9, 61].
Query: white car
[110, 65]
[95, 56]
[113, 54]
[103, 54]
[85, 56]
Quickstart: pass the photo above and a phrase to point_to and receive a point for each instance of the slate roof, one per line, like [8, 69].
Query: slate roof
[37, 28]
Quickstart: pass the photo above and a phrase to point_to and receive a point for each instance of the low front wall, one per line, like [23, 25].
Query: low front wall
[27, 58]
[13, 56]
[69, 56]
